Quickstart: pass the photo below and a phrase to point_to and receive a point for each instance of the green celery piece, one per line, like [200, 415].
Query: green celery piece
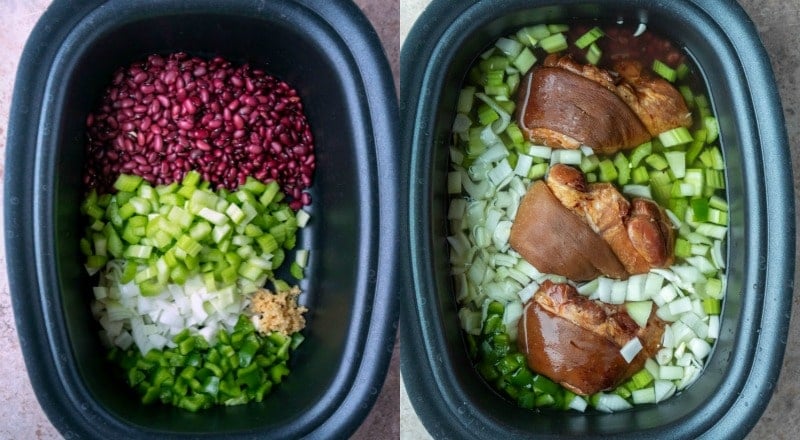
[554, 43]
[127, 182]
[589, 37]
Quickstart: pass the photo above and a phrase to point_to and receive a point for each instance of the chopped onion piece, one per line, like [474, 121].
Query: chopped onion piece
[578, 403]
[470, 321]
[664, 356]
[524, 163]
[670, 372]
[713, 327]
[603, 292]
[540, 151]
[635, 288]
[618, 292]
[644, 395]
[668, 340]
[587, 288]
[690, 375]
[639, 311]
[611, 402]
[631, 349]
[699, 347]
[664, 389]
[527, 292]
[637, 191]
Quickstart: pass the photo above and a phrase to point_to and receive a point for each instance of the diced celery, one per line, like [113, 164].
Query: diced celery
[524, 61]
[717, 202]
[675, 136]
[213, 216]
[465, 99]
[664, 71]
[537, 171]
[554, 43]
[127, 182]
[657, 162]
[640, 153]
[608, 172]
[589, 37]
[639, 175]
[594, 54]
[710, 123]
[623, 169]
[677, 163]
[509, 47]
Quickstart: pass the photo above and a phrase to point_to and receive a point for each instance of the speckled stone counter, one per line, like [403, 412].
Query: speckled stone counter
[777, 22]
[20, 414]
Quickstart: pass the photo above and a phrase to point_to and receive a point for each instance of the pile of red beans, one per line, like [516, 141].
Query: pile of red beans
[167, 115]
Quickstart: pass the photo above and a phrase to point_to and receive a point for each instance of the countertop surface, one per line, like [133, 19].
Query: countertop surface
[21, 417]
[777, 22]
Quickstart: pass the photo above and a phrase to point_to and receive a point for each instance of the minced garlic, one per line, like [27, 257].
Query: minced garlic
[278, 312]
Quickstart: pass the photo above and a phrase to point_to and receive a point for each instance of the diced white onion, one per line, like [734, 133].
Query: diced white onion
[716, 254]
[690, 375]
[631, 349]
[527, 292]
[664, 356]
[668, 339]
[644, 395]
[524, 163]
[588, 288]
[637, 191]
[540, 151]
[501, 235]
[618, 292]
[670, 372]
[604, 287]
[664, 389]
[713, 327]
[639, 311]
[611, 402]
[680, 305]
[578, 403]
[501, 174]
[461, 123]
[470, 321]
[635, 289]
[699, 347]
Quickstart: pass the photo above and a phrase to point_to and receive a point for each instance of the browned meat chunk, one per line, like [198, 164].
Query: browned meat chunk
[554, 240]
[564, 110]
[576, 341]
[655, 101]
[640, 234]
[651, 233]
[564, 104]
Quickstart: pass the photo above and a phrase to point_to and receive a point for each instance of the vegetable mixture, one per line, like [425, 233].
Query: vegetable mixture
[658, 313]
[181, 261]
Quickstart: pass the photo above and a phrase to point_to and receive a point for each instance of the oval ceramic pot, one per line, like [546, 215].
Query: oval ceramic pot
[734, 388]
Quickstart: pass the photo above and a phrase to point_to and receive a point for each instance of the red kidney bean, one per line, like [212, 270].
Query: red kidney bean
[241, 123]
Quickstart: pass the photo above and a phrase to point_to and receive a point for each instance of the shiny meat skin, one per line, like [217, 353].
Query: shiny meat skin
[562, 109]
[639, 233]
[655, 101]
[554, 240]
[565, 104]
[576, 341]
[651, 232]
[600, 76]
